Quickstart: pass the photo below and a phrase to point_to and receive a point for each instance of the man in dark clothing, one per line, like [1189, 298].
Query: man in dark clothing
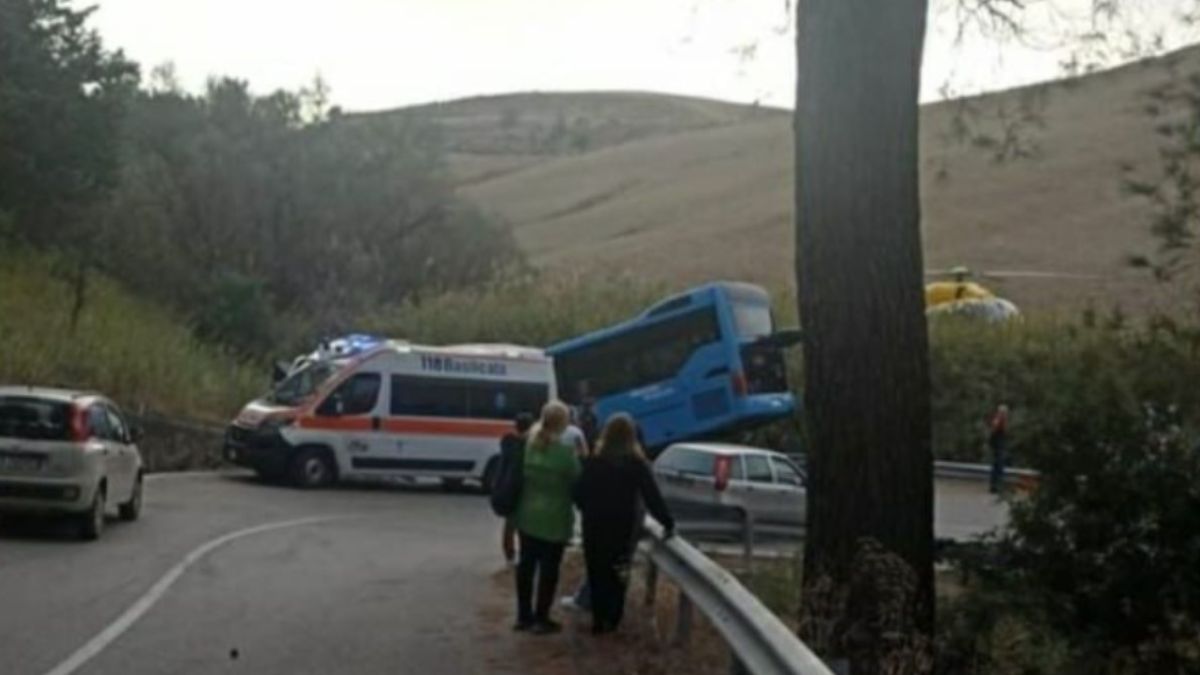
[998, 443]
[588, 422]
[512, 447]
[615, 480]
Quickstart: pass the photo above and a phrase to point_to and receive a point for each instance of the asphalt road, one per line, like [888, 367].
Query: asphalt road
[963, 509]
[226, 575]
[394, 584]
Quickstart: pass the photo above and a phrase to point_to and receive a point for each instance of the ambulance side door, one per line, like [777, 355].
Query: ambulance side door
[351, 416]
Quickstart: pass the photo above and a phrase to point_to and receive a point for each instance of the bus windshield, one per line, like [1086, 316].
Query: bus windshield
[302, 384]
[752, 320]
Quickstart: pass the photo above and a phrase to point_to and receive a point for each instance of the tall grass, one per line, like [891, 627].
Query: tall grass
[536, 311]
[128, 349]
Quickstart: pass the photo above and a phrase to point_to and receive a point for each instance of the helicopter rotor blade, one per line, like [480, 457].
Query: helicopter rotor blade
[1038, 274]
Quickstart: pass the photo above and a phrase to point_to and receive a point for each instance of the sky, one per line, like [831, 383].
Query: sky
[377, 54]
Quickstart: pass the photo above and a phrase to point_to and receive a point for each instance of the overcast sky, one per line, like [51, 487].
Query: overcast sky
[385, 53]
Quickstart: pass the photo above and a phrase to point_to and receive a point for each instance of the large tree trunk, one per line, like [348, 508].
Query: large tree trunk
[868, 576]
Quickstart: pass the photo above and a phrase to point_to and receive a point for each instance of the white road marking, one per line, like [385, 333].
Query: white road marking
[151, 597]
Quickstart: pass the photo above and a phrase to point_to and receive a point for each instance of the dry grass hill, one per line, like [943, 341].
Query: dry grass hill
[688, 190]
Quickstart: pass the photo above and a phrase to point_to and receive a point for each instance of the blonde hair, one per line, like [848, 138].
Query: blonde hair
[619, 439]
[555, 418]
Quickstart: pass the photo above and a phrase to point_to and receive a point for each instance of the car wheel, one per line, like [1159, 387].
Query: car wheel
[91, 523]
[312, 468]
[131, 509]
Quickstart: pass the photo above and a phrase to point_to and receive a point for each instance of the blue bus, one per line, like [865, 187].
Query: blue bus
[695, 365]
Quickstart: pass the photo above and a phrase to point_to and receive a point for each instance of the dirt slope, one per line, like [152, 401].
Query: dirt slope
[703, 190]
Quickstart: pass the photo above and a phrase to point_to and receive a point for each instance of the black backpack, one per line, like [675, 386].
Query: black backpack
[506, 489]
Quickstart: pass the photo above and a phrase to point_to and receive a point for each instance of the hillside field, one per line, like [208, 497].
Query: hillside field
[681, 190]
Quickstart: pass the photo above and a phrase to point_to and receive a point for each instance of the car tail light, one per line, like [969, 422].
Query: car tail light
[721, 470]
[79, 424]
[740, 386]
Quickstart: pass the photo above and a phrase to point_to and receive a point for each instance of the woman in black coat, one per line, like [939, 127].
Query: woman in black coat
[616, 480]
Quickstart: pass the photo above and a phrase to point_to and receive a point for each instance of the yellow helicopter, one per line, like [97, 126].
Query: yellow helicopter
[959, 296]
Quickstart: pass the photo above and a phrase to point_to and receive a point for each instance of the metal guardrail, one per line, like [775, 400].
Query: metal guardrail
[983, 472]
[760, 642]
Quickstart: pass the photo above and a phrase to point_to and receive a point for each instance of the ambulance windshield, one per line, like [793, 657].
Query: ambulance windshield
[302, 384]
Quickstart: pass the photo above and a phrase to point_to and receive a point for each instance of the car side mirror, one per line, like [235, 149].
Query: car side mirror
[136, 434]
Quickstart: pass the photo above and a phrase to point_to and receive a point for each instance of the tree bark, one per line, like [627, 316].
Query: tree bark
[868, 582]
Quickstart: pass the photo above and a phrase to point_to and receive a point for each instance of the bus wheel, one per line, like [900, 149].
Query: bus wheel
[312, 468]
[452, 484]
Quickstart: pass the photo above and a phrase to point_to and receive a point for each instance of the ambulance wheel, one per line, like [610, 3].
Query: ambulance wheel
[312, 468]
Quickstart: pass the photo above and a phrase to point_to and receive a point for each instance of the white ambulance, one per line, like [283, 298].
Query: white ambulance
[396, 410]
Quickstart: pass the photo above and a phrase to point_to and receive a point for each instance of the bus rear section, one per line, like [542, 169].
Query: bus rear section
[701, 364]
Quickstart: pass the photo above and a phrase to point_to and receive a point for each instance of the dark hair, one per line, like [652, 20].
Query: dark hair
[619, 439]
[523, 421]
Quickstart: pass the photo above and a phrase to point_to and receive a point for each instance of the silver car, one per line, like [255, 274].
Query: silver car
[67, 453]
[719, 482]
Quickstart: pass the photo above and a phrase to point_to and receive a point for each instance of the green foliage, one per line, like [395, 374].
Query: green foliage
[1025, 365]
[1102, 561]
[124, 347]
[61, 100]
[236, 312]
[329, 216]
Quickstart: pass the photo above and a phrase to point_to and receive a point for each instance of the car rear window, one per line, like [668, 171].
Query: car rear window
[689, 461]
[32, 418]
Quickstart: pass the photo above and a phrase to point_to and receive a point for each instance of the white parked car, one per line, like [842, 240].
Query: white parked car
[723, 482]
[67, 453]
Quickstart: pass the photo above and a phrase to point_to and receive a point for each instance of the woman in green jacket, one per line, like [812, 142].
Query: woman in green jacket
[545, 517]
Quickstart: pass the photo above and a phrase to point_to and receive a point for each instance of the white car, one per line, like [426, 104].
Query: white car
[724, 482]
[67, 453]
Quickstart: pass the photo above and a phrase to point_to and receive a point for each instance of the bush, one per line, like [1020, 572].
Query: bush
[236, 312]
[1030, 364]
[1105, 554]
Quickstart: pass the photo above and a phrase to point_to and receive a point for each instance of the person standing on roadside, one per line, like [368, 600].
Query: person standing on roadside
[998, 444]
[584, 430]
[512, 448]
[616, 479]
[545, 518]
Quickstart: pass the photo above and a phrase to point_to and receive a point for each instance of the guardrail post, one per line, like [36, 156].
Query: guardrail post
[683, 620]
[651, 582]
[748, 542]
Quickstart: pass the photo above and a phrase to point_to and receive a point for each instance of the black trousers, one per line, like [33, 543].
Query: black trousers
[542, 559]
[608, 550]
